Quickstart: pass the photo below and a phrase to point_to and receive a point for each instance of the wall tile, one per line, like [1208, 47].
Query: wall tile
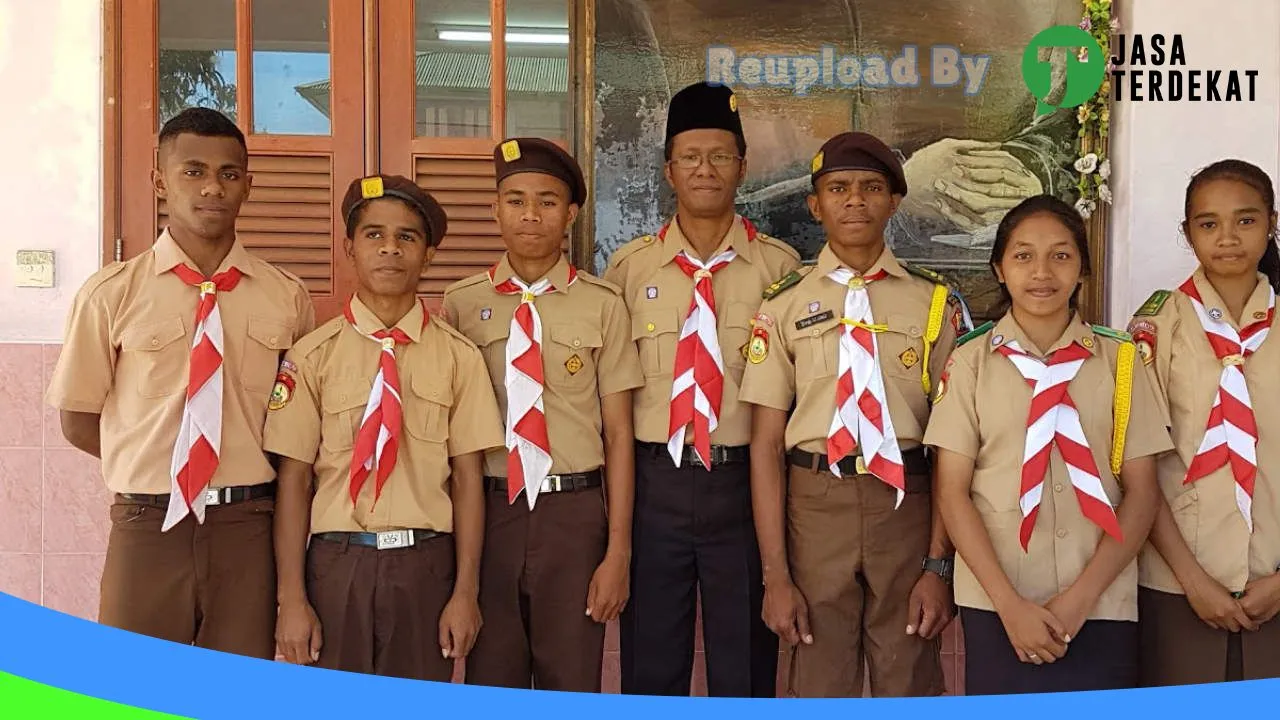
[20, 482]
[71, 583]
[76, 503]
[20, 575]
[21, 386]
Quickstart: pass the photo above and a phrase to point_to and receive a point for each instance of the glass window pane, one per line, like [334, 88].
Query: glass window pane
[291, 67]
[538, 69]
[197, 59]
[452, 68]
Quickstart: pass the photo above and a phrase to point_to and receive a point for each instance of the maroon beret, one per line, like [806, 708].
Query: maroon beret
[520, 155]
[362, 190]
[859, 151]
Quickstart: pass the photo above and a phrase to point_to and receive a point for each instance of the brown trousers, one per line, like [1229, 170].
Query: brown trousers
[856, 559]
[1178, 648]
[380, 610]
[534, 577]
[210, 585]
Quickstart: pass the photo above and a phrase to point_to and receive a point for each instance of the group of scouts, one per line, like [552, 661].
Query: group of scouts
[814, 453]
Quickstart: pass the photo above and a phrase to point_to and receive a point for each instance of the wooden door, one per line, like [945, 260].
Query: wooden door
[291, 73]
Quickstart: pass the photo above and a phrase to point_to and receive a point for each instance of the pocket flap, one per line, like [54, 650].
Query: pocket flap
[576, 336]
[912, 327]
[153, 335]
[490, 331]
[270, 333]
[433, 388]
[343, 395]
[650, 323]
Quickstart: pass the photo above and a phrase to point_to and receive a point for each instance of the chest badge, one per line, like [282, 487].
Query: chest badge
[651, 292]
[573, 364]
[909, 357]
[814, 307]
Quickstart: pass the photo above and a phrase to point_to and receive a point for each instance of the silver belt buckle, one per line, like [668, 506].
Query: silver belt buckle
[391, 539]
[550, 484]
[212, 497]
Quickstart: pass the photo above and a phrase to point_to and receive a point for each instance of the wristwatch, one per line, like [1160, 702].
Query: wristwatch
[942, 567]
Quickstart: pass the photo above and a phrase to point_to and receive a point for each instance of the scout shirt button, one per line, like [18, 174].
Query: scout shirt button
[650, 327]
[577, 343]
[272, 339]
[1062, 533]
[816, 332]
[1057, 487]
[914, 331]
[155, 341]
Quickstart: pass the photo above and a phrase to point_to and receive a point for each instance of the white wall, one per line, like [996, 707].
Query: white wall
[1157, 146]
[51, 173]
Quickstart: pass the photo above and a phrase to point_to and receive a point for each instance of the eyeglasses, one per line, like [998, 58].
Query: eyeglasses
[692, 161]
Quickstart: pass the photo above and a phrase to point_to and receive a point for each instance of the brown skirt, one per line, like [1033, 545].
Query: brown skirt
[1178, 648]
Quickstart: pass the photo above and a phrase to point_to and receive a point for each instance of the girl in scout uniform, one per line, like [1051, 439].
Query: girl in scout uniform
[1208, 578]
[1046, 438]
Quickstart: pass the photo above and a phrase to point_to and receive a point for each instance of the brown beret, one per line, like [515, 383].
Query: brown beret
[859, 151]
[703, 106]
[520, 155]
[362, 190]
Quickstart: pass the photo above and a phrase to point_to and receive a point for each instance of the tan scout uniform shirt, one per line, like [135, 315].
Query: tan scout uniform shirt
[1185, 373]
[128, 350]
[658, 294]
[803, 358]
[448, 410]
[982, 415]
[587, 353]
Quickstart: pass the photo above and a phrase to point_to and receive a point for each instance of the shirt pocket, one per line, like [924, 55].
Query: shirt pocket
[426, 414]
[902, 349]
[735, 330]
[656, 333]
[817, 351]
[570, 356]
[156, 357]
[1186, 515]
[342, 405]
[491, 336]
[268, 339]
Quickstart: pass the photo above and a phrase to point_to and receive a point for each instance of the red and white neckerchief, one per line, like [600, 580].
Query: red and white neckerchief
[697, 386]
[861, 419]
[195, 453]
[1231, 435]
[528, 445]
[1054, 420]
[377, 442]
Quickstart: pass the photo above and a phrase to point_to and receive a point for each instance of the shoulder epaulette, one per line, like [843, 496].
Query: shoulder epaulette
[926, 273]
[780, 244]
[979, 331]
[467, 282]
[1153, 304]
[631, 247]
[782, 284]
[444, 325]
[599, 282]
[1112, 333]
[96, 280]
[314, 339]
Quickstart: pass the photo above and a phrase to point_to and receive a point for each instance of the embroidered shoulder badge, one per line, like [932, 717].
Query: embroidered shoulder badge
[282, 393]
[786, 281]
[1153, 303]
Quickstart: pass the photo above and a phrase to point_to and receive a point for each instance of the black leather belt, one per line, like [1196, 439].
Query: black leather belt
[720, 454]
[914, 462]
[385, 540]
[213, 496]
[553, 483]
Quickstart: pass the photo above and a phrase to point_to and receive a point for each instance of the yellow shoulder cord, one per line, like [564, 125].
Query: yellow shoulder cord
[1123, 401]
[932, 331]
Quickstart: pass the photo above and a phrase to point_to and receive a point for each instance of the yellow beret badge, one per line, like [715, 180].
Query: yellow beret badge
[371, 187]
[511, 151]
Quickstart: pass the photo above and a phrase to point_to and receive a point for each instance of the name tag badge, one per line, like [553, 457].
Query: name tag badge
[815, 319]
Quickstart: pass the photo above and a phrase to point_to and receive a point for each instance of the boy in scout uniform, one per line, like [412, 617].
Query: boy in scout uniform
[557, 342]
[165, 375]
[381, 418]
[692, 289]
[855, 558]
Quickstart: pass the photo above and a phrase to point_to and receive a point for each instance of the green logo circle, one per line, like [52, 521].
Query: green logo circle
[1084, 77]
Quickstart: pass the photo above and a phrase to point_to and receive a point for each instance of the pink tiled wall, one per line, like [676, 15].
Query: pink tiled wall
[53, 512]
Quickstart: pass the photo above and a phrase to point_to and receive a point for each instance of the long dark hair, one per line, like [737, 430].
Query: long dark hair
[1037, 205]
[1256, 178]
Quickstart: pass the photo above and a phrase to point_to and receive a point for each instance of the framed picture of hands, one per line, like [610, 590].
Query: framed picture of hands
[940, 82]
